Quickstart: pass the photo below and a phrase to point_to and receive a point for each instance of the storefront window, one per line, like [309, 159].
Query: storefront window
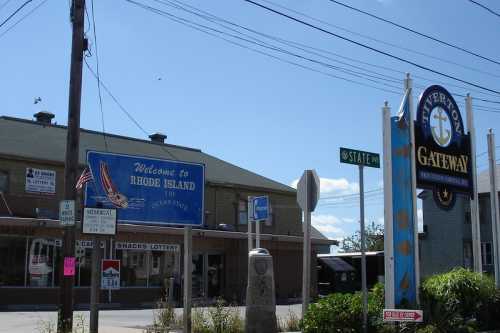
[84, 261]
[197, 276]
[147, 264]
[242, 212]
[12, 260]
[42, 262]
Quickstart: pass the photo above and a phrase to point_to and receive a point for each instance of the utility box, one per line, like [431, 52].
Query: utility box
[261, 298]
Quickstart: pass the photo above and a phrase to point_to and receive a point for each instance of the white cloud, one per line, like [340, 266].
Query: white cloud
[339, 186]
[330, 225]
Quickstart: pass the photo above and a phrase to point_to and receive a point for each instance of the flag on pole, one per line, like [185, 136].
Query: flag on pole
[84, 178]
[402, 205]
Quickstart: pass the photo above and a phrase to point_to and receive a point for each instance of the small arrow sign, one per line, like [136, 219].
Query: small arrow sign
[400, 315]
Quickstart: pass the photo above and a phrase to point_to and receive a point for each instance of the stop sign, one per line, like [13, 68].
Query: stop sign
[308, 190]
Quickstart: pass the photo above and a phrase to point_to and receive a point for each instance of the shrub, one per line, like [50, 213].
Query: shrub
[217, 319]
[457, 300]
[344, 313]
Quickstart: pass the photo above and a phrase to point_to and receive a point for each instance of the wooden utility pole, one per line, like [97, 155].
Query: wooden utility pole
[66, 282]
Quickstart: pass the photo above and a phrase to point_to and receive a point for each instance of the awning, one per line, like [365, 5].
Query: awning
[337, 264]
[151, 229]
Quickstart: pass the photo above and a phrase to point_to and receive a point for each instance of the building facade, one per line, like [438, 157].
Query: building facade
[446, 241]
[32, 155]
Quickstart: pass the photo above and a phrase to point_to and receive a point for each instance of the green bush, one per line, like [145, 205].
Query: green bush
[459, 300]
[344, 313]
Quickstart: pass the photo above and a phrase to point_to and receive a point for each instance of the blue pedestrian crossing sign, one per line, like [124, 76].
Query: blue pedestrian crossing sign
[261, 208]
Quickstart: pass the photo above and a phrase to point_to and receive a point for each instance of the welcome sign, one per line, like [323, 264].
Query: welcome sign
[146, 190]
[442, 148]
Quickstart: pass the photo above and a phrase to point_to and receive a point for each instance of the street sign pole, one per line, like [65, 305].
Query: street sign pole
[249, 221]
[188, 263]
[474, 201]
[306, 272]
[363, 248]
[495, 219]
[308, 190]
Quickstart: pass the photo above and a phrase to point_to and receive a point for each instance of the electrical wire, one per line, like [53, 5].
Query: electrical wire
[203, 28]
[124, 110]
[23, 18]
[485, 7]
[303, 47]
[370, 47]
[382, 41]
[15, 12]
[98, 77]
[416, 32]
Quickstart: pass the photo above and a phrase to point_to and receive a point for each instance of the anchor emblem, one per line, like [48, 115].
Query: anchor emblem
[441, 138]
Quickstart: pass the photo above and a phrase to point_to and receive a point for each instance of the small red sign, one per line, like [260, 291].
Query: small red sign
[110, 274]
[403, 315]
[69, 266]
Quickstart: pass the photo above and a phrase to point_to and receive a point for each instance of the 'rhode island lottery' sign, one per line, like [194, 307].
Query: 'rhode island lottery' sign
[442, 150]
[146, 190]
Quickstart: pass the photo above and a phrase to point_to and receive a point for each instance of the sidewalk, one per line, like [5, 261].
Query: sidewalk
[110, 321]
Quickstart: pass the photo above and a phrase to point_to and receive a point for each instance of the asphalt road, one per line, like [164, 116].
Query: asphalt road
[110, 321]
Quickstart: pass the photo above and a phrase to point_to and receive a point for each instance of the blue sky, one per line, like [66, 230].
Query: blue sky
[267, 116]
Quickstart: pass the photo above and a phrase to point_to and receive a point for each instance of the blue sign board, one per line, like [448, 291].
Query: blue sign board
[261, 208]
[146, 190]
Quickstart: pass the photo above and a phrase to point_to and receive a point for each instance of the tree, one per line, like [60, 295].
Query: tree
[374, 236]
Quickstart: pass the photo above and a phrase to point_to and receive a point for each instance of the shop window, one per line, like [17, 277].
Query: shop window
[269, 221]
[134, 268]
[242, 212]
[12, 260]
[83, 256]
[4, 181]
[197, 276]
[486, 254]
[162, 267]
[43, 259]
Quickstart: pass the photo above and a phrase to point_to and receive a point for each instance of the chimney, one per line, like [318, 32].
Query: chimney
[44, 117]
[158, 137]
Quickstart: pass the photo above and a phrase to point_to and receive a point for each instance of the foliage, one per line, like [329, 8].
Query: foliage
[344, 313]
[217, 319]
[291, 323]
[164, 318]
[459, 300]
[374, 239]
[79, 325]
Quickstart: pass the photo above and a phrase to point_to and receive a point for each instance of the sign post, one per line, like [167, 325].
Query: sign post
[495, 219]
[308, 190]
[249, 221]
[361, 158]
[260, 211]
[97, 222]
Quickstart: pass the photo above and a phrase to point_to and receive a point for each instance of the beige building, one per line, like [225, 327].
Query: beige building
[32, 155]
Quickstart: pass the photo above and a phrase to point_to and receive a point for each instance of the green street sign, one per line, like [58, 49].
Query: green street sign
[359, 157]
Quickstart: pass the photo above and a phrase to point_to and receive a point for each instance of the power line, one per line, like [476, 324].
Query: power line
[14, 13]
[23, 18]
[215, 19]
[415, 32]
[370, 48]
[382, 41]
[210, 17]
[122, 108]
[203, 28]
[98, 77]
[484, 7]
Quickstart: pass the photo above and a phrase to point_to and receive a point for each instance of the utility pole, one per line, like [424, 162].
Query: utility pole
[364, 290]
[67, 281]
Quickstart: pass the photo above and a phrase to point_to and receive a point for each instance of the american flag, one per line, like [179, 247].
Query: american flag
[85, 177]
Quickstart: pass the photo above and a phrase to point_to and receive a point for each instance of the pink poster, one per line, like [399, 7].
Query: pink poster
[69, 266]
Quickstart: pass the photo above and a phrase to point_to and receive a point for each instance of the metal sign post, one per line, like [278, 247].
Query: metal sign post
[97, 221]
[495, 219]
[188, 270]
[363, 248]
[307, 197]
[249, 221]
[361, 158]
